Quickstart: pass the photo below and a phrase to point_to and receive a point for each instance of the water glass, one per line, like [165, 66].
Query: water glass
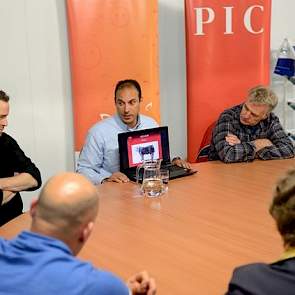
[164, 175]
[152, 187]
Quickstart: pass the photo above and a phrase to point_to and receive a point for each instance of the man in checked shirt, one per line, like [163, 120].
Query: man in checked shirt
[250, 130]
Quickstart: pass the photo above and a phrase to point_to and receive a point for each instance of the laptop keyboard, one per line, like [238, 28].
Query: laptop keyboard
[173, 168]
[174, 172]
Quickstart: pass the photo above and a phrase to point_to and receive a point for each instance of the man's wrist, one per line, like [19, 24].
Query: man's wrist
[176, 158]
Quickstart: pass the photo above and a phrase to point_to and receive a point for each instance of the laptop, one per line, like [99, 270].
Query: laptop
[147, 144]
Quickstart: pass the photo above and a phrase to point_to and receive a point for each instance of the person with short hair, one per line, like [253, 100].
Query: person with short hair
[277, 278]
[250, 130]
[42, 260]
[99, 157]
[17, 171]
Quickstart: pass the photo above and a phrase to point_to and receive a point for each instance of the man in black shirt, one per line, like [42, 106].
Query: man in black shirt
[17, 172]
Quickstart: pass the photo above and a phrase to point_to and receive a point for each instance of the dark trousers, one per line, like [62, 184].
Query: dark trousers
[11, 210]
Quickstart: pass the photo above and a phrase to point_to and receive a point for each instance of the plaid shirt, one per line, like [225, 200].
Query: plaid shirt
[270, 128]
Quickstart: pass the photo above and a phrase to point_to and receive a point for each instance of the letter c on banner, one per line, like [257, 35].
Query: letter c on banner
[200, 21]
[247, 19]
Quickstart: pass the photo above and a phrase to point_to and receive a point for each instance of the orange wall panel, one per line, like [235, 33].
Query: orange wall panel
[111, 41]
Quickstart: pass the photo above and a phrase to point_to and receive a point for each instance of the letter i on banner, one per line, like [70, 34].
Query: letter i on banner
[110, 41]
[227, 51]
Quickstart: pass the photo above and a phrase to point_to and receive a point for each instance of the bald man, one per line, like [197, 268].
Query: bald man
[41, 261]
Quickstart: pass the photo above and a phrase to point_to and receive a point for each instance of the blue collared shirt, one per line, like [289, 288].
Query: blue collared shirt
[99, 158]
[35, 264]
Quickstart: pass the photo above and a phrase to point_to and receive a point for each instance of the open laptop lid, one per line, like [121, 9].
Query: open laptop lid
[146, 144]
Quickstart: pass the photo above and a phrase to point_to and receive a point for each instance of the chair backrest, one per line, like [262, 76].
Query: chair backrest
[205, 144]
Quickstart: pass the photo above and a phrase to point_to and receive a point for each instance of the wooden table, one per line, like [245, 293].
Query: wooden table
[190, 239]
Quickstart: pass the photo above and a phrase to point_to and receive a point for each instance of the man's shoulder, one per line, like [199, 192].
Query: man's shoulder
[249, 273]
[102, 125]
[256, 270]
[96, 280]
[148, 122]
[231, 115]
[272, 278]
[232, 111]
[252, 267]
[273, 117]
[7, 139]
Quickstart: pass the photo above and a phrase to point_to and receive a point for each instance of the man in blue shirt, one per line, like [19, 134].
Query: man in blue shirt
[99, 158]
[42, 260]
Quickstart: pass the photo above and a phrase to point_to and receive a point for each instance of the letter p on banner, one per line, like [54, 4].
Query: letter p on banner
[227, 52]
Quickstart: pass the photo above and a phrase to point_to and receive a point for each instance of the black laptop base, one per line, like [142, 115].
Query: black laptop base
[174, 172]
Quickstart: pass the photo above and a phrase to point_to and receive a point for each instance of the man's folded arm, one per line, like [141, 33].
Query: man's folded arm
[27, 175]
[227, 153]
[242, 152]
[282, 147]
[20, 182]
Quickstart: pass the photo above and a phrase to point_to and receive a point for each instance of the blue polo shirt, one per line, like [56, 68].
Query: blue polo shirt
[33, 264]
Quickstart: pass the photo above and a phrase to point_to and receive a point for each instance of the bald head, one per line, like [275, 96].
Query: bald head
[67, 201]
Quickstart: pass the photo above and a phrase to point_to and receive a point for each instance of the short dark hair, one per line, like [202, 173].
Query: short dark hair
[4, 96]
[128, 83]
[282, 208]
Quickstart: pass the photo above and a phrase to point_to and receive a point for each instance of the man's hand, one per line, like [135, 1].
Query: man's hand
[7, 196]
[181, 163]
[261, 143]
[142, 284]
[232, 139]
[118, 177]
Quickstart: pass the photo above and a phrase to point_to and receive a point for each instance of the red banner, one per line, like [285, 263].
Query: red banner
[111, 41]
[228, 47]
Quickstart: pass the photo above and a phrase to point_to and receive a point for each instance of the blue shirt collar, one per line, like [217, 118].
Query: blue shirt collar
[124, 126]
[29, 239]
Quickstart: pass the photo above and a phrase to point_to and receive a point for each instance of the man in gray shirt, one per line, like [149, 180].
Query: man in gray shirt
[99, 158]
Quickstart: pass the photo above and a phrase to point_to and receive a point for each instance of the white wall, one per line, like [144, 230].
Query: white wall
[35, 72]
[173, 73]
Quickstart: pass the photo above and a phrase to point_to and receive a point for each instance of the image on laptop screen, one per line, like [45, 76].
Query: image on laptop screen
[143, 145]
[143, 148]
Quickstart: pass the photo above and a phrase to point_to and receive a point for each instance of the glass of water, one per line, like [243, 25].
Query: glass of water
[164, 175]
[151, 184]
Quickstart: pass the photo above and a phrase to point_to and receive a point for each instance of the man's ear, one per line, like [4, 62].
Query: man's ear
[33, 207]
[86, 232]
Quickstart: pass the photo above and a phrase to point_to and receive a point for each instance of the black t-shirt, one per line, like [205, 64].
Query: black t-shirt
[13, 160]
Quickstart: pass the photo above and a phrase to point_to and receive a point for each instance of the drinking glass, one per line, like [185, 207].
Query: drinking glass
[164, 175]
[151, 184]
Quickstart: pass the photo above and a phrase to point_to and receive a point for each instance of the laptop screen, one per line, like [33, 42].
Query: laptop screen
[143, 145]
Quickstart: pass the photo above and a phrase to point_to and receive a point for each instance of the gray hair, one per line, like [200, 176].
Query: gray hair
[263, 95]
